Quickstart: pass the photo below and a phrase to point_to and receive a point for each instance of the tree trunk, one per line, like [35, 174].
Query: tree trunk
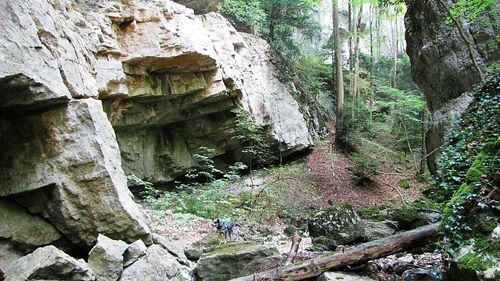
[358, 255]
[370, 101]
[339, 75]
[356, 58]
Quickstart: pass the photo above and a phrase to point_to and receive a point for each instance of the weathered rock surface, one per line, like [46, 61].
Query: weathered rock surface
[134, 252]
[376, 229]
[200, 6]
[441, 63]
[106, 258]
[233, 260]
[334, 276]
[168, 80]
[334, 226]
[8, 253]
[68, 159]
[48, 263]
[157, 264]
[182, 75]
[24, 230]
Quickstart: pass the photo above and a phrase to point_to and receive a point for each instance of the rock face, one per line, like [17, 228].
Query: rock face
[48, 263]
[60, 157]
[171, 81]
[165, 79]
[201, 6]
[441, 63]
[334, 226]
[235, 260]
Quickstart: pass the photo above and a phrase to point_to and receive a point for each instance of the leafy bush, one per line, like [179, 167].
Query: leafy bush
[255, 143]
[245, 15]
[365, 169]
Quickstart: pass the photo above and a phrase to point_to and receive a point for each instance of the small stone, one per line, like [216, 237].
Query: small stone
[134, 252]
[193, 254]
[106, 258]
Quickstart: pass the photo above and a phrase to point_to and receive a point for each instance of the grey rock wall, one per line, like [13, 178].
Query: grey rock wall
[441, 64]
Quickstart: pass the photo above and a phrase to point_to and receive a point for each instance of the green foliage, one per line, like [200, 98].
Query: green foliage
[468, 164]
[404, 183]
[253, 139]
[205, 167]
[365, 169]
[245, 15]
[468, 9]
[474, 261]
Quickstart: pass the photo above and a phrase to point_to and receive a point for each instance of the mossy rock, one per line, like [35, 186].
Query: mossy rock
[408, 217]
[232, 260]
[477, 169]
[475, 261]
[459, 195]
[338, 225]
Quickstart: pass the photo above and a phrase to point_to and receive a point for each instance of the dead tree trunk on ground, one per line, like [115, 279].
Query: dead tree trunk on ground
[358, 255]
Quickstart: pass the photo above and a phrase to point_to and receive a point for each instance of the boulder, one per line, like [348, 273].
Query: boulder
[106, 258]
[377, 229]
[134, 252]
[156, 264]
[24, 230]
[234, 260]
[334, 226]
[419, 274]
[48, 263]
[65, 166]
[335, 276]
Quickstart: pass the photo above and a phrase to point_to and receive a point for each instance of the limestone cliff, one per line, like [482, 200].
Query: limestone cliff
[89, 87]
[441, 62]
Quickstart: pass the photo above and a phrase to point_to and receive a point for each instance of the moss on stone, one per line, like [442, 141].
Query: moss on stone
[462, 191]
[474, 261]
[234, 248]
[477, 169]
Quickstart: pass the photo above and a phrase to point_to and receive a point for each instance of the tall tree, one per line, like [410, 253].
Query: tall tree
[339, 125]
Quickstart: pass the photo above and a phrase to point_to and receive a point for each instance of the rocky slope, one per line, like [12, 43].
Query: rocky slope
[93, 90]
[441, 62]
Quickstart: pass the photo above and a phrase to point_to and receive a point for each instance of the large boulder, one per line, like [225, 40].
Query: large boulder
[157, 264]
[334, 226]
[106, 258]
[48, 263]
[65, 166]
[26, 231]
[233, 260]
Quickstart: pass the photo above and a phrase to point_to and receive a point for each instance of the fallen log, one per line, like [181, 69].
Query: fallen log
[355, 256]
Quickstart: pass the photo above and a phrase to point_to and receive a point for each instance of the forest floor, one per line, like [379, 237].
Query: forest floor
[324, 177]
[332, 174]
